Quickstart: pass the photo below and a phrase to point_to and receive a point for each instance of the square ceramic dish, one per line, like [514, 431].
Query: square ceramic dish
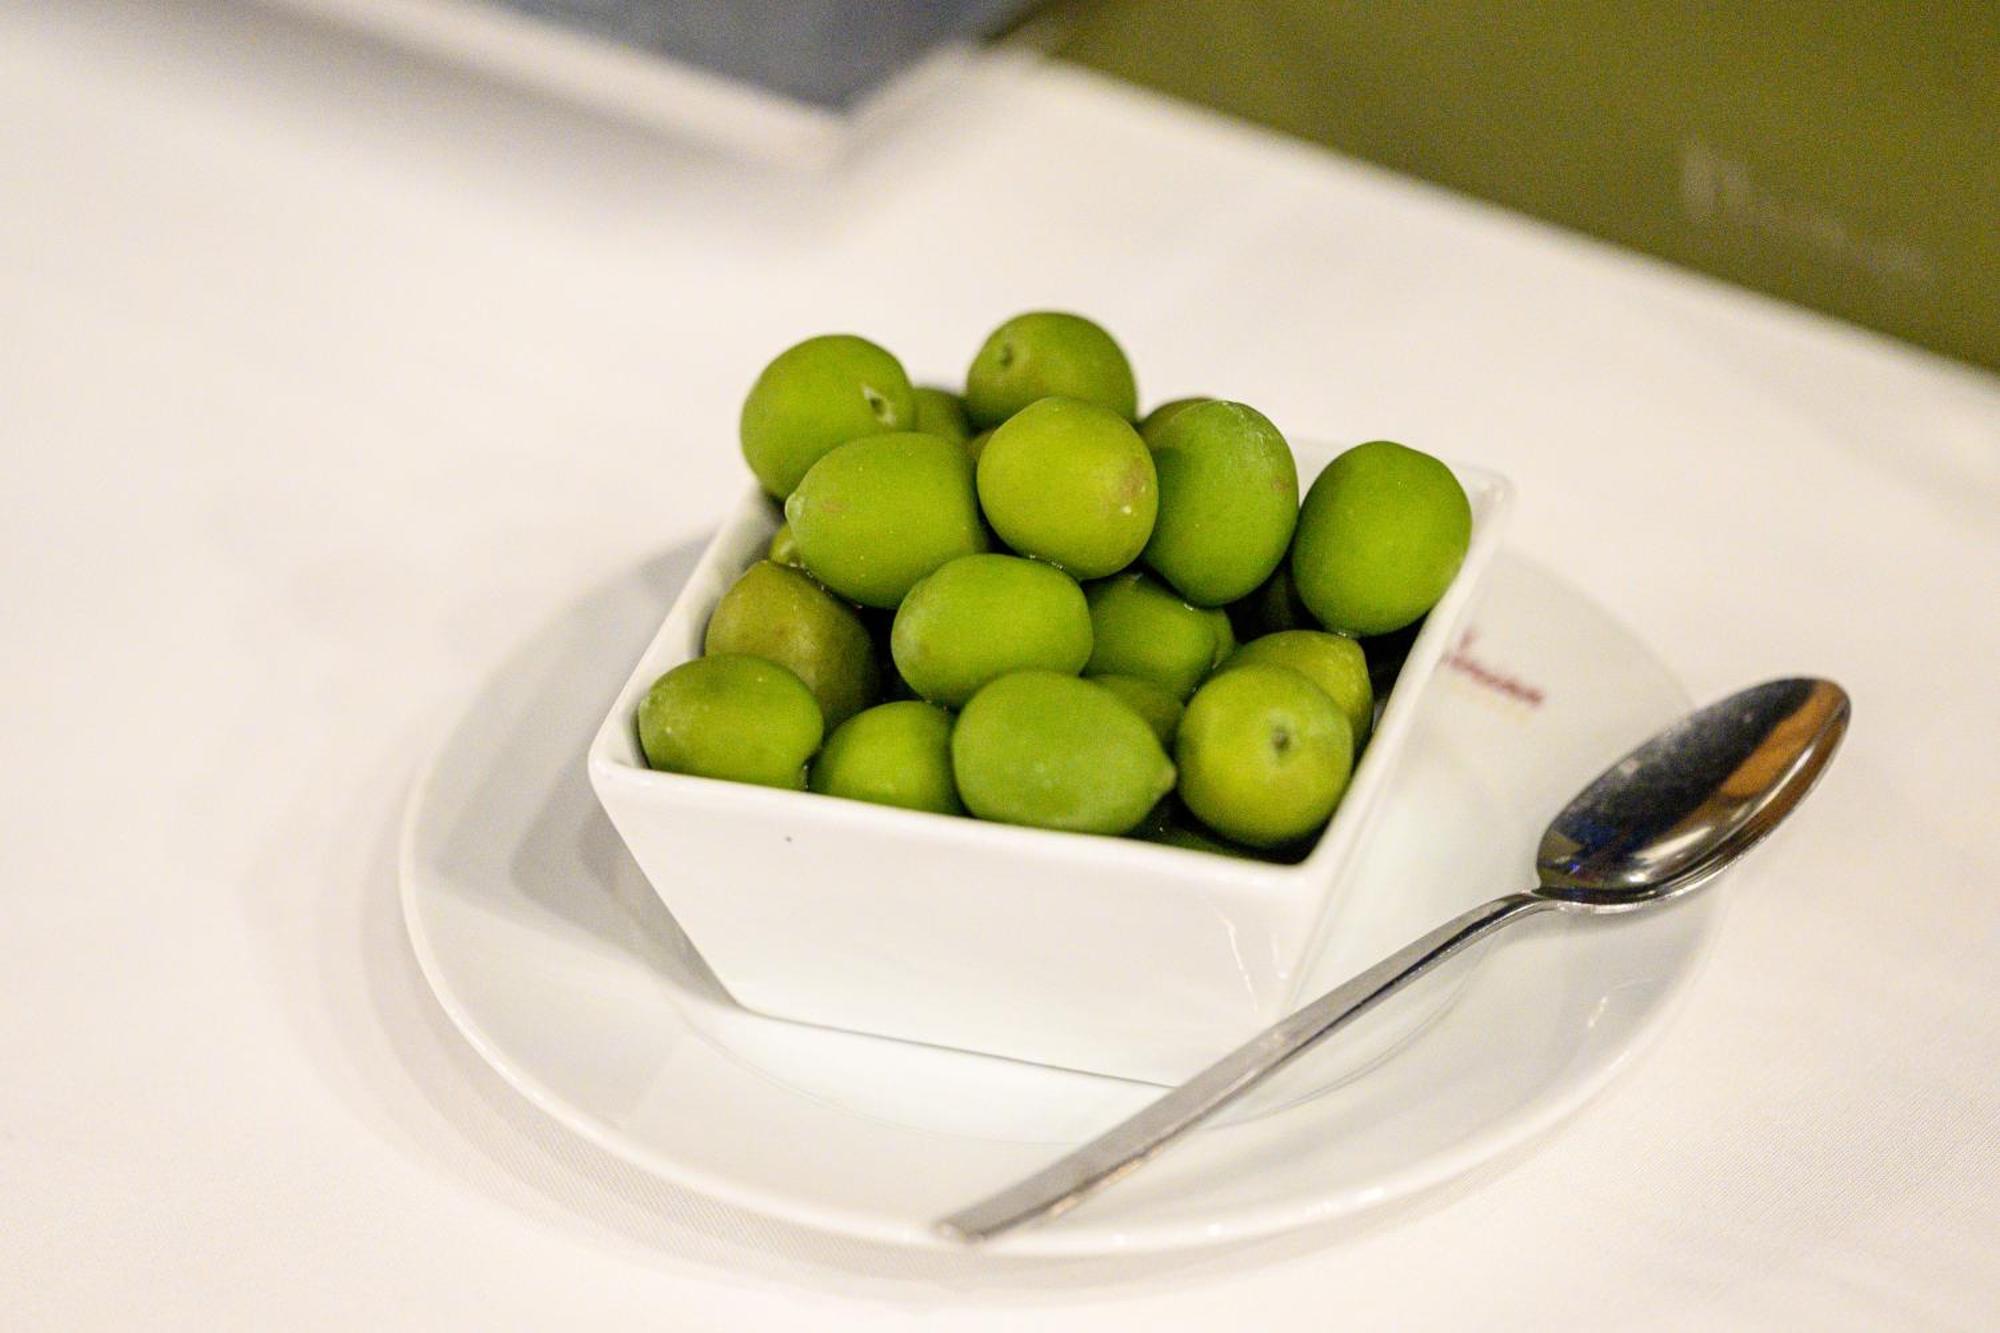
[1102, 954]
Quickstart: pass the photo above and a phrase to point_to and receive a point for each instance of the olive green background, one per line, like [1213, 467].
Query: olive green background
[1845, 156]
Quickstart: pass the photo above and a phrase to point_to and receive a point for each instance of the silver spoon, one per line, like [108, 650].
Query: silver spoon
[1656, 825]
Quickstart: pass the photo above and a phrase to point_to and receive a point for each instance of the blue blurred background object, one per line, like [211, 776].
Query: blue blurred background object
[826, 53]
[793, 81]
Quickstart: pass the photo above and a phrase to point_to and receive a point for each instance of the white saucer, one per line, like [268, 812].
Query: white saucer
[549, 951]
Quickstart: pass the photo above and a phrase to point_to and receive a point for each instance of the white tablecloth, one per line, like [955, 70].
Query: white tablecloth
[326, 373]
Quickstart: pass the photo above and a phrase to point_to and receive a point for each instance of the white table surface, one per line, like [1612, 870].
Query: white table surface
[326, 374]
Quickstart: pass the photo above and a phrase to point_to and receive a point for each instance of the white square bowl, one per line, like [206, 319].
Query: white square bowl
[1102, 954]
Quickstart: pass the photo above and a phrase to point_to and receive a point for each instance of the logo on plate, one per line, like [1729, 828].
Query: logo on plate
[1491, 679]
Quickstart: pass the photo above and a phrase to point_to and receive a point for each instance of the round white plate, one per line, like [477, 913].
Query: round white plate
[549, 951]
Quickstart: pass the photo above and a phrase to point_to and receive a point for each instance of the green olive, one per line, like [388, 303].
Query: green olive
[1264, 755]
[1331, 661]
[1056, 751]
[1150, 700]
[874, 516]
[1071, 483]
[942, 413]
[1274, 606]
[1383, 531]
[784, 548]
[779, 614]
[1229, 498]
[1154, 421]
[893, 754]
[1048, 354]
[981, 617]
[815, 397]
[1140, 627]
[741, 719]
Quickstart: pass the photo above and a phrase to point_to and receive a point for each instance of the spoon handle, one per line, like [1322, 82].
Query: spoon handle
[1130, 1144]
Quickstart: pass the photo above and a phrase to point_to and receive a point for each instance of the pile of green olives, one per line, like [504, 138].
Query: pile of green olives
[1027, 603]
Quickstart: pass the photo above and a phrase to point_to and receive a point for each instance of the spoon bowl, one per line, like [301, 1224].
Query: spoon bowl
[1665, 818]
